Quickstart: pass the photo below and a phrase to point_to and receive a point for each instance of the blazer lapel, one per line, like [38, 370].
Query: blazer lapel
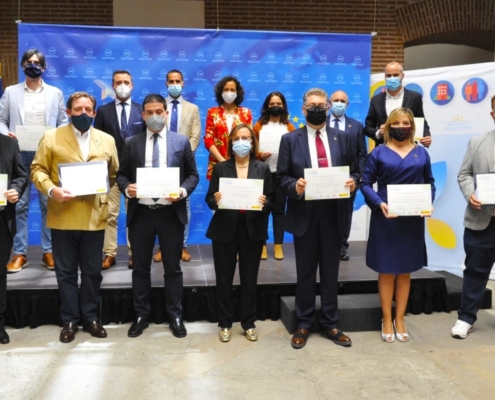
[71, 140]
[333, 145]
[94, 143]
[170, 149]
[405, 99]
[20, 102]
[231, 170]
[141, 148]
[183, 114]
[489, 152]
[302, 141]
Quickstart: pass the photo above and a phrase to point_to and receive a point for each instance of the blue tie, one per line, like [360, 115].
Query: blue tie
[173, 118]
[123, 121]
[336, 123]
[155, 160]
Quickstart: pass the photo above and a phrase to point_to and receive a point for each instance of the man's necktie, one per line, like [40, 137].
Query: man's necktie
[155, 160]
[123, 121]
[173, 118]
[320, 151]
[336, 123]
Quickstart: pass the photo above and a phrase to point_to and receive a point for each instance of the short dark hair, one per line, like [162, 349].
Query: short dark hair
[493, 105]
[78, 95]
[254, 148]
[120, 71]
[219, 90]
[265, 116]
[175, 71]
[155, 98]
[31, 52]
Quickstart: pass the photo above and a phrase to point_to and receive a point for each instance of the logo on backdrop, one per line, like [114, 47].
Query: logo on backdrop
[415, 88]
[474, 90]
[442, 93]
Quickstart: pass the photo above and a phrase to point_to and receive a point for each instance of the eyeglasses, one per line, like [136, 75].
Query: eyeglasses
[248, 138]
[316, 107]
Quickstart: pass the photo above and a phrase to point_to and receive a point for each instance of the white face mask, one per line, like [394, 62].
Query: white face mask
[123, 91]
[229, 97]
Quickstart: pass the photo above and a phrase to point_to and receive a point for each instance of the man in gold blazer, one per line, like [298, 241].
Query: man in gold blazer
[77, 222]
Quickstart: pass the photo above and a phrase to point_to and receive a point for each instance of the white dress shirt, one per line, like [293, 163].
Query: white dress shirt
[118, 107]
[83, 139]
[169, 100]
[341, 120]
[34, 106]
[391, 103]
[312, 145]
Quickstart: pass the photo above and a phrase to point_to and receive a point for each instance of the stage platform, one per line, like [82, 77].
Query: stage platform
[32, 295]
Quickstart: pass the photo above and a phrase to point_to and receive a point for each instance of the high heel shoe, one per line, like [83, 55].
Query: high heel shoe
[401, 337]
[387, 337]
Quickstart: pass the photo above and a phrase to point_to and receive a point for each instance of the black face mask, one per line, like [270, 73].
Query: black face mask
[400, 134]
[81, 122]
[33, 70]
[316, 115]
[275, 111]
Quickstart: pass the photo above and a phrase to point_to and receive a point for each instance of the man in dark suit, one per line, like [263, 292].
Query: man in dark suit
[393, 97]
[318, 226]
[162, 217]
[12, 169]
[338, 120]
[121, 119]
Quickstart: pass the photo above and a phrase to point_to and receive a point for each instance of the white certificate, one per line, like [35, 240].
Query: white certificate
[29, 136]
[240, 194]
[485, 188]
[413, 200]
[420, 128]
[3, 189]
[161, 182]
[270, 141]
[84, 178]
[326, 183]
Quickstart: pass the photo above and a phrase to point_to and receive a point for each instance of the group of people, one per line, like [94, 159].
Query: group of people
[165, 132]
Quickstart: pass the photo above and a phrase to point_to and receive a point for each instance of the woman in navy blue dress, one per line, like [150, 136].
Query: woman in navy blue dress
[396, 246]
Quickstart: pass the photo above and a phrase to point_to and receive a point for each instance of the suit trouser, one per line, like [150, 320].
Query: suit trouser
[145, 225]
[225, 259]
[480, 257]
[110, 244]
[278, 212]
[73, 249]
[345, 243]
[319, 246]
[6, 241]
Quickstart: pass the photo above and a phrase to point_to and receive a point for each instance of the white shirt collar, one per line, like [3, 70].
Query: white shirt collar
[400, 94]
[26, 88]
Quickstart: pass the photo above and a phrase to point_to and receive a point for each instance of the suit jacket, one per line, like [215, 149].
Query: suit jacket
[190, 123]
[224, 222]
[179, 154]
[11, 164]
[57, 146]
[293, 158]
[106, 120]
[12, 107]
[477, 160]
[377, 113]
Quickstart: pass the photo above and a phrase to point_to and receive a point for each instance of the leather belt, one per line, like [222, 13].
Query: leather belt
[156, 206]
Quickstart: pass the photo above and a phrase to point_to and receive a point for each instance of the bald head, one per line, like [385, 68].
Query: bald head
[338, 103]
[339, 96]
[393, 69]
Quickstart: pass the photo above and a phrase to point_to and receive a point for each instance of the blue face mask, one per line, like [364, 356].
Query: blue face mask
[81, 122]
[338, 108]
[241, 147]
[393, 83]
[174, 90]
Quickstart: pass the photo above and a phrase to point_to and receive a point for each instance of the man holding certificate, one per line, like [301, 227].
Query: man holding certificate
[157, 173]
[318, 225]
[26, 111]
[13, 182]
[75, 166]
[476, 180]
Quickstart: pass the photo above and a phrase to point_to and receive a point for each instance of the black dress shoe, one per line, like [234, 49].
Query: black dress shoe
[68, 332]
[344, 255]
[137, 327]
[178, 328]
[4, 336]
[129, 265]
[95, 329]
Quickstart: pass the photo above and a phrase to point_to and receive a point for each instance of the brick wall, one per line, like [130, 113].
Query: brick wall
[81, 12]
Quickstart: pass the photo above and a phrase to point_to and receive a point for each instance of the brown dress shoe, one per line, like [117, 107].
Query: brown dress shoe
[108, 261]
[185, 255]
[17, 263]
[158, 256]
[48, 262]
[299, 338]
[68, 332]
[337, 337]
[95, 329]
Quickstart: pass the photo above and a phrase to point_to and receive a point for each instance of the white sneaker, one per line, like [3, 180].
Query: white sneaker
[461, 329]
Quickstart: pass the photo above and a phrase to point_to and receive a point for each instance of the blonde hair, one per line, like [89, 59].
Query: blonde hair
[394, 116]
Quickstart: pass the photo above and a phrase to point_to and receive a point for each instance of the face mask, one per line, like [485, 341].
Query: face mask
[174, 90]
[155, 123]
[81, 122]
[229, 97]
[400, 134]
[316, 116]
[338, 108]
[393, 83]
[241, 147]
[33, 70]
[275, 111]
[123, 91]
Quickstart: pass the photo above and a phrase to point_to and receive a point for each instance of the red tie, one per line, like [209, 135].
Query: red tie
[320, 151]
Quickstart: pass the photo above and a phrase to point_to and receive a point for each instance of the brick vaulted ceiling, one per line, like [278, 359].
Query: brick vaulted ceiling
[468, 22]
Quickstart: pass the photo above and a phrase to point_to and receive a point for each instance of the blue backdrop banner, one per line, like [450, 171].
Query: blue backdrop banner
[84, 57]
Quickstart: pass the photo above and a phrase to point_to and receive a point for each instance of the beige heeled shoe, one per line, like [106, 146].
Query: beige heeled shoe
[278, 253]
[264, 253]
